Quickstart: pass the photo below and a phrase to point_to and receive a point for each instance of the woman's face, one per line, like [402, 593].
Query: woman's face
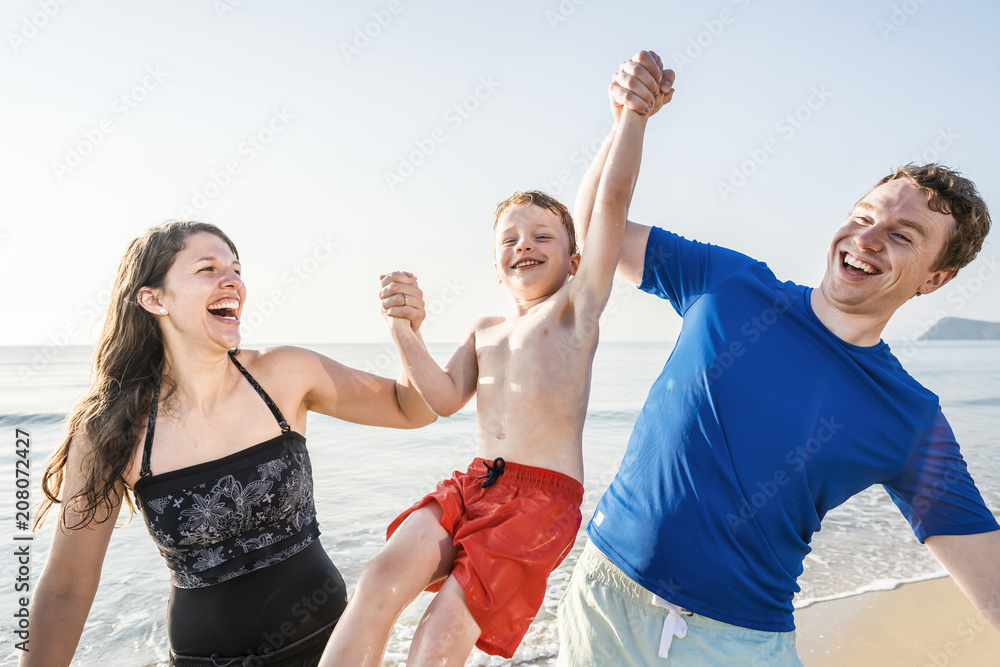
[203, 293]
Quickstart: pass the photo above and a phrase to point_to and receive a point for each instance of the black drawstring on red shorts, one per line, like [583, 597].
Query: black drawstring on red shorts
[493, 472]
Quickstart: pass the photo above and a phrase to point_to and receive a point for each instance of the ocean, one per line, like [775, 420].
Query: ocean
[365, 476]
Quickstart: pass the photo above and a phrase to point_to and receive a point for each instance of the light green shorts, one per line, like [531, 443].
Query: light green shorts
[605, 618]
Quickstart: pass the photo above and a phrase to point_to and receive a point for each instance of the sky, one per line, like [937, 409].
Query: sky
[337, 141]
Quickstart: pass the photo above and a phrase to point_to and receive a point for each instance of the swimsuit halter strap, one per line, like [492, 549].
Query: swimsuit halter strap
[148, 447]
[263, 394]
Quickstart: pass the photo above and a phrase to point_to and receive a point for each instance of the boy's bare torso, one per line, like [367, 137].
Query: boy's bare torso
[534, 384]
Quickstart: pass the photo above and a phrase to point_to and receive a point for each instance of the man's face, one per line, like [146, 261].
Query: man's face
[886, 251]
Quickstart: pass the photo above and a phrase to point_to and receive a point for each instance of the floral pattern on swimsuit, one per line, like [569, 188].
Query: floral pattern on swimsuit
[218, 520]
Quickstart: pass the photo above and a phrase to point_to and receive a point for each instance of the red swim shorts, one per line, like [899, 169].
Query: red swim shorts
[509, 536]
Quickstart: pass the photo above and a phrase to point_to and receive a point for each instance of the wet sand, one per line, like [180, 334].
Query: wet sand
[923, 624]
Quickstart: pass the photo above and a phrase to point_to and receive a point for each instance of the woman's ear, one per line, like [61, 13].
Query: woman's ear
[149, 300]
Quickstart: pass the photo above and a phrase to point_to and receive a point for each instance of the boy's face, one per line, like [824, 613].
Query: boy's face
[886, 250]
[532, 251]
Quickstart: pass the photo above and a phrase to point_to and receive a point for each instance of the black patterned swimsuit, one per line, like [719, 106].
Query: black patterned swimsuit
[240, 537]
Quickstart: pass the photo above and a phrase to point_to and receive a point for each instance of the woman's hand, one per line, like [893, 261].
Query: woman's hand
[402, 299]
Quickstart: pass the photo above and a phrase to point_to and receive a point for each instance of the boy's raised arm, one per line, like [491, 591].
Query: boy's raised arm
[635, 86]
[446, 390]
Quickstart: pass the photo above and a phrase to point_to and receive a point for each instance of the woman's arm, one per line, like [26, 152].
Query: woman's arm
[331, 388]
[72, 572]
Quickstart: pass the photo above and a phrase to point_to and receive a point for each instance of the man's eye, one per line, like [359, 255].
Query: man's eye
[901, 237]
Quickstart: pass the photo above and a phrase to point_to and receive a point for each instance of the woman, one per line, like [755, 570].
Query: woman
[172, 420]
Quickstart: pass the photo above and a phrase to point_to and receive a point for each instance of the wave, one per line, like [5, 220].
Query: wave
[21, 418]
[877, 585]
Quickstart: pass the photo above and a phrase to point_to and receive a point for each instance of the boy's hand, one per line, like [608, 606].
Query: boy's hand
[641, 84]
[402, 299]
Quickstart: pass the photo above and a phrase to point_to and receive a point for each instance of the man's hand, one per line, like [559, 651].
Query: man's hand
[641, 84]
[402, 299]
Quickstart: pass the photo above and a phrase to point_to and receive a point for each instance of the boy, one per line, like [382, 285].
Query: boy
[488, 538]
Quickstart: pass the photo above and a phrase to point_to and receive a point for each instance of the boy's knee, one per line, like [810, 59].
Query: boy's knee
[378, 571]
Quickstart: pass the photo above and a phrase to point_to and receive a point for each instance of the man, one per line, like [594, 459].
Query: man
[779, 402]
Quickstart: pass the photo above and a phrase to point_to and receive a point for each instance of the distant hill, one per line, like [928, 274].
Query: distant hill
[956, 328]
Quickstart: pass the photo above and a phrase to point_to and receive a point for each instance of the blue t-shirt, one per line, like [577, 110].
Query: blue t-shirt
[761, 422]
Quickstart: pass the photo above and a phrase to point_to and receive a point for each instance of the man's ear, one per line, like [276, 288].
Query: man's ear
[149, 300]
[937, 280]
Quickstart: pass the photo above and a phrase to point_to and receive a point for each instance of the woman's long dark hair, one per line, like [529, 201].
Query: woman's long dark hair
[128, 366]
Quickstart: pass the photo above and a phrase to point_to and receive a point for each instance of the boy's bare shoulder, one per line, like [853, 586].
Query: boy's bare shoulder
[487, 322]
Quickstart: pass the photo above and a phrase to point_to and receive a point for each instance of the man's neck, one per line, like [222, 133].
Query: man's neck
[854, 328]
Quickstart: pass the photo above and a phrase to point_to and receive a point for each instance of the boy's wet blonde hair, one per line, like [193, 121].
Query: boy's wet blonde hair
[545, 201]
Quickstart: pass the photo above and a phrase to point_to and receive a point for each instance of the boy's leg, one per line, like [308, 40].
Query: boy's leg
[419, 553]
[447, 632]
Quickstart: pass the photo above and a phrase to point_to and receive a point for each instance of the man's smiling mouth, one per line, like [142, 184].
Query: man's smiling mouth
[856, 266]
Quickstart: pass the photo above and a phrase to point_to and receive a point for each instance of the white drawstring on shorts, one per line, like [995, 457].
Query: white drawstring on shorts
[674, 626]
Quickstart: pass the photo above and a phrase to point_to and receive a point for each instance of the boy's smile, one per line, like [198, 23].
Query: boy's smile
[532, 251]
